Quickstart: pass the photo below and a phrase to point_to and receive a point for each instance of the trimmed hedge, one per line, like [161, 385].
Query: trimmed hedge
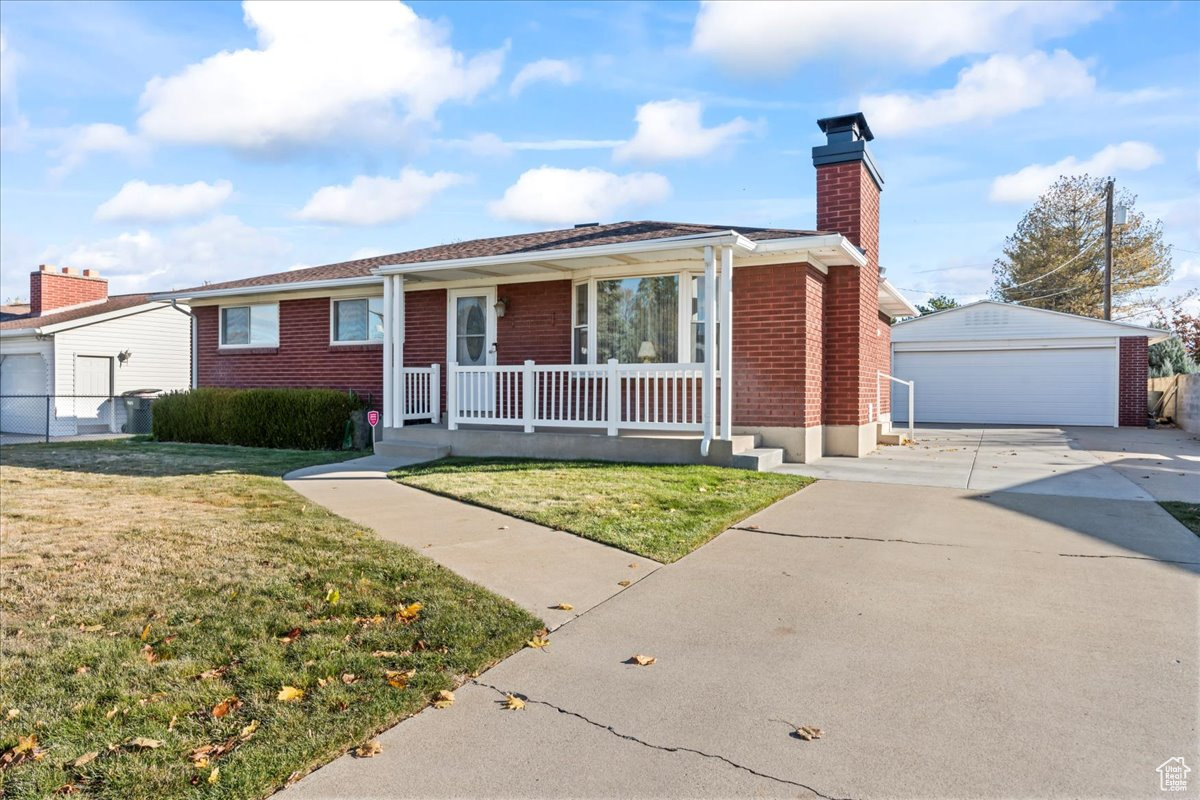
[295, 419]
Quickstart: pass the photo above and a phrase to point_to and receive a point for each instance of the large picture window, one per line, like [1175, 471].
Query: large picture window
[358, 320]
[250, 326]
[637, 319]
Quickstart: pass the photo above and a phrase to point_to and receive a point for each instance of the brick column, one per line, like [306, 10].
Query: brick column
[1134, 379]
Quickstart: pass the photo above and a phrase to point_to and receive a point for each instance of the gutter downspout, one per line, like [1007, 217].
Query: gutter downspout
[195, 377]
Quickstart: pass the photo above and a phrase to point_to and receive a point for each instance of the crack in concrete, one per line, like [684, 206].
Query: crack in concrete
[652, 746]
[852, 538]
[1134, 558]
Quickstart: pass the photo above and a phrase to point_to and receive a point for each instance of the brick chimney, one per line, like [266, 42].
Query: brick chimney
[857, 342]
[50, 290]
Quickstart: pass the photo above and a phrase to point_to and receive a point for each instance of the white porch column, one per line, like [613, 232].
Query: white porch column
[710, 351]
[389, 398]
[398, 349]
[726, 346]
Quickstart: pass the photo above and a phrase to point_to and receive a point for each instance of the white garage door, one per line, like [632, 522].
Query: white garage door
[1068, 386]
[22, 375]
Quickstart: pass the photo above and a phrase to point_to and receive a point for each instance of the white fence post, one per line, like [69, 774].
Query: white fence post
[528, 395]
[612, 380]
[452, 396]
[911, 389]
[435, 393]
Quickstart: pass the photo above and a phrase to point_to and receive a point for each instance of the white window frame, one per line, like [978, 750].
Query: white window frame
[683, 333]
[249, 345]
[336, 342]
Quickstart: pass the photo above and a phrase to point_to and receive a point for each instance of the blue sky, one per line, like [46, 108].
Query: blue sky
[168, 144]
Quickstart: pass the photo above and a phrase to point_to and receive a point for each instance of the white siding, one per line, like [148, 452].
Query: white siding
[1001, 321]
[159, 343]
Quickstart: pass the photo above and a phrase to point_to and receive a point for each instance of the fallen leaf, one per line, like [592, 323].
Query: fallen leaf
[538, 641]
[145, 744]
[409, 613]
[26, 744]
[82, 670]
[641, 660]
[249, 730]
[368, 750]
[214, 776]
[13, 713]
[86, 758]
[295, 776]
[385, 654]
[68, 788]
[332, 597]
[513, 703]
[210, 674]
[171, 724]
[112, 712]
[223, 708]
[805, 732]
[289, 693]
[90, 628]
[349, 678]
[443, 699]
[564, 607]
[625, 583]
[149, 654]
[399, 678]
[290, 636]
[146, 632]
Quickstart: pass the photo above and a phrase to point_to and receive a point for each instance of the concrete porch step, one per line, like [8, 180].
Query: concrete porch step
[398, 448]
[886, 436]
[758, 459]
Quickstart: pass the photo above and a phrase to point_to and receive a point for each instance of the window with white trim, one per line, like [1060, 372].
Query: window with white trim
[646, 319]
[358, 320]
[250, 326]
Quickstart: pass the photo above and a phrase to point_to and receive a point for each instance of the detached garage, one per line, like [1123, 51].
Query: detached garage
[1003, 364]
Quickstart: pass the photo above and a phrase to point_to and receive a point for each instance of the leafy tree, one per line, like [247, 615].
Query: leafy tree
[1055, 259]
[940, 303]
[1185, 326]
[1168, 357]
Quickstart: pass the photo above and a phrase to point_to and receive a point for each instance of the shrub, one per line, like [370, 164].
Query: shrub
[1169, 357]
[298, 419]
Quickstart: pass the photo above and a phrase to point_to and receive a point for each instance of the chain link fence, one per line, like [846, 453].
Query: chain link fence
[46, 417]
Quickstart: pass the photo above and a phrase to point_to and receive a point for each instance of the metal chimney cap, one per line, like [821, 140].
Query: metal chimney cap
[855, 123]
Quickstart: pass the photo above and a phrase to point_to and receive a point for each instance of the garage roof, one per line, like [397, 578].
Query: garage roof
[988, 319]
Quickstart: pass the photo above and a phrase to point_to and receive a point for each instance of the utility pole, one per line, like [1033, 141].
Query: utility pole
[1108, 255]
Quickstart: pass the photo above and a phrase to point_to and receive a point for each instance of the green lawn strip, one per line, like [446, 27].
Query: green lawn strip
[662, 512]
[1187, 513]
[207, 547]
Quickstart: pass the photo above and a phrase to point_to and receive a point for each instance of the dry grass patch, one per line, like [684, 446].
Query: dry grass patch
[144, 585]
[662, 512]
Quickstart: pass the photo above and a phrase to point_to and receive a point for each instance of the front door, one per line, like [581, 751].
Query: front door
[472, 343]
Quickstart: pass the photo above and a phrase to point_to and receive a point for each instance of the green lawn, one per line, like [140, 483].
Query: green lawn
[661, 512]
[1186, 513]
[169, 592]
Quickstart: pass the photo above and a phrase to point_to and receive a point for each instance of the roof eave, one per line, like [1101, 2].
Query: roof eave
[299, 286]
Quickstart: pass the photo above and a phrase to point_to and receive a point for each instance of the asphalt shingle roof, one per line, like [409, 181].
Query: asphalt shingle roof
[614, 233]
[114, 303]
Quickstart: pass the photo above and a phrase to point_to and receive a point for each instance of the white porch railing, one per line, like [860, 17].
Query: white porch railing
[611, 396]
[422, 393]
[879, 376]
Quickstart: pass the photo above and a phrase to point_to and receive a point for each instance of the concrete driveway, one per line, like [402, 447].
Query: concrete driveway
[1114, 463]
[949, 643]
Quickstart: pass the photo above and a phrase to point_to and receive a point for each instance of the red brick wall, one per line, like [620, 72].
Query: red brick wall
[304, 357]
[50, 290]
[537, 324]
[854, 339]
[1135, 372]
[814, 347]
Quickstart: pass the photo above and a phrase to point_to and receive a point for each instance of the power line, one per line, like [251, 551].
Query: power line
[1063, 265]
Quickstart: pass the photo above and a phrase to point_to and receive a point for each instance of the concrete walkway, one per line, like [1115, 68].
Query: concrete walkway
[949, 644]
[536, 567]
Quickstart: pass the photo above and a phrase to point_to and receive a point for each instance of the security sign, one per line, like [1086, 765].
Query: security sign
[373, 418]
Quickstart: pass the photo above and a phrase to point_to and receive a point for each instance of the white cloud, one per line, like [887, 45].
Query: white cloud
[217, 249]
[670, 129]
[996, 87]
[1027, 184]
[14, 125]
[80, 143]
[487, 145]
[320, 70]
[768, 37]
[138, 201]
[546, 70]
[554, 195]
[373, 201]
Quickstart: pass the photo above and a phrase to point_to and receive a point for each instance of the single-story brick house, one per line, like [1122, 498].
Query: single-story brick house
[633, 340]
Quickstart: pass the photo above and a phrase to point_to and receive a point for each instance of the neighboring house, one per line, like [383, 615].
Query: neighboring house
[76, 349]
[1000, 363]
[681, 342]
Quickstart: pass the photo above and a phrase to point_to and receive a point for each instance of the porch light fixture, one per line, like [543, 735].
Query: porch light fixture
[124, 356]
[501, 306]
[647, 353]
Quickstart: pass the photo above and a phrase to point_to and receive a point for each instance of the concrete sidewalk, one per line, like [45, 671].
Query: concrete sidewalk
[534, 566]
